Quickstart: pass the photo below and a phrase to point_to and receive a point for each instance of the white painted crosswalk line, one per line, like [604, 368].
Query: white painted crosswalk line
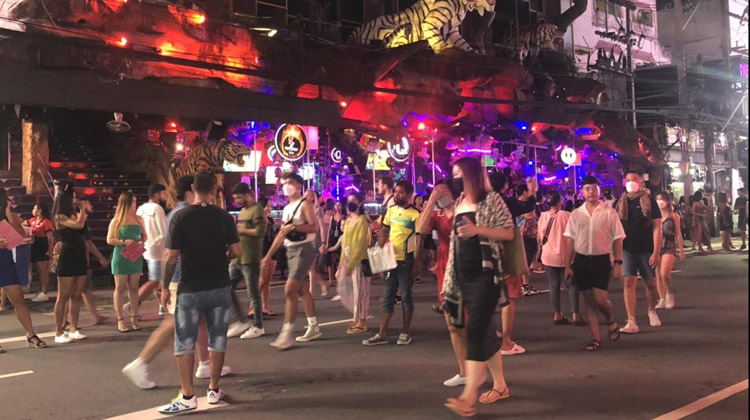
[152, 414]
[704, 402]
[13, 375]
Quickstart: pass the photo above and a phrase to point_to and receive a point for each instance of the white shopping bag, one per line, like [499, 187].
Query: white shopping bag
[381, 259]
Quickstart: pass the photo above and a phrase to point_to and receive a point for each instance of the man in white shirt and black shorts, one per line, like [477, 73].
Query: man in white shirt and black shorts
[595, 233]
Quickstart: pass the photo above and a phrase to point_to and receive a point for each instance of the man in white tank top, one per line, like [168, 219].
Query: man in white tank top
[297, 235]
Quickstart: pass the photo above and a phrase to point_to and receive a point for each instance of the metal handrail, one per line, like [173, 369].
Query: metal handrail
[49, 180]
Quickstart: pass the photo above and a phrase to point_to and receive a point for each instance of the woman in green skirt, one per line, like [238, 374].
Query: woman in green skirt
[126, 228]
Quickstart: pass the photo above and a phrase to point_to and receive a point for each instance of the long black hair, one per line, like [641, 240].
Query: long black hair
[63, 204]
[43, 209]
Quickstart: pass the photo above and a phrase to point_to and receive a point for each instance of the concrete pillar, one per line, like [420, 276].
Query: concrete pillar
[35, 137]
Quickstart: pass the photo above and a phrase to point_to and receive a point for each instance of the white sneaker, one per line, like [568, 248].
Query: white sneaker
[669, 301]
[336, 298]
[237, 328]
[284, 340]
[653, 319]
[516, 349]
[41, 297]
[313, 332]
[455, 381]
[630, 328]
[204, 371]
[162, 310]
[213, 397]
[179, 404]
[660, 304]
[253, 332]
[77, 336]
[126, 308]
[403, 340]
[63, 339]
[137, 372]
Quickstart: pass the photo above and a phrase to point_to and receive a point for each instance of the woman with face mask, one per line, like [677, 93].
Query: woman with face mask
[354, 241]
[671, 248]
[474, 280]
[334, 232]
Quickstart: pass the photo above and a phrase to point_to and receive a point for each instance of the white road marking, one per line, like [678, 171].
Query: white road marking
[151, 413]
[343, 321]
[23, 337]
[11, 375]
[704, 402]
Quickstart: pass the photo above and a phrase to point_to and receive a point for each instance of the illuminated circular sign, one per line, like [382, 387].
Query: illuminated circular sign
[290, 142]
[401, 151]
[336, 155]
[568, 156]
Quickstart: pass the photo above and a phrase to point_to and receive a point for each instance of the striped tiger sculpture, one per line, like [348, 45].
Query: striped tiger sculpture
[210, 157]
[546, 34]
[434, 21]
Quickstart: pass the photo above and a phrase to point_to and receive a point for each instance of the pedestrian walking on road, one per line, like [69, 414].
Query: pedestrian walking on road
[473, 280]
[594, 237]
[740, 207]
[199, 235]
[297, 235]
[251, 227]
[441, 222]
[726, 224]
[641, 219]
[155, 228]
[550, 238]
[671, 248]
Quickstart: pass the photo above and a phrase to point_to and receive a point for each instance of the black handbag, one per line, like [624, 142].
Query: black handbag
[295, 236]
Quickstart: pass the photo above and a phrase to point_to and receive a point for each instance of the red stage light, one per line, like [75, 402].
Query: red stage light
[80, 176]
[197, 18]
[421, 126]
[123, 42]
[172, 124]
[343, 104]
[55, 164]
[180, 147]
[89, 191]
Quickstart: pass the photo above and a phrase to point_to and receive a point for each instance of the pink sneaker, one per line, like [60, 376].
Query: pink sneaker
[630, 328]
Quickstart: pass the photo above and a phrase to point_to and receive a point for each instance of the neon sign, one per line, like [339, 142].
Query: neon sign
[401, 151]
[290, 142]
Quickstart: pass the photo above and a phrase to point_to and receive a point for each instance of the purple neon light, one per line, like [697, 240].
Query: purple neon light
[479, 151]
[351, 187]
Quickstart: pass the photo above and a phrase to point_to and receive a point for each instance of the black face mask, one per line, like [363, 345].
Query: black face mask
[352, 207]
[457, 185]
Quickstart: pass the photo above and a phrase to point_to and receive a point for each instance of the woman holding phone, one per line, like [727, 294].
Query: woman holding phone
[473, 280]
[125, 229]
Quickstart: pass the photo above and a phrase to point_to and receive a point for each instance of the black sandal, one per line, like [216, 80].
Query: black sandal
[593, 345]
[614, 335]
[561, 321]
[35, 342]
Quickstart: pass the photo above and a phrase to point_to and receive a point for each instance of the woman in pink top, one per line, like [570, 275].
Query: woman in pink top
[552, 225]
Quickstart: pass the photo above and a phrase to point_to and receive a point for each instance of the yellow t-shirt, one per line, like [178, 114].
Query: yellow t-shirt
[402, 223]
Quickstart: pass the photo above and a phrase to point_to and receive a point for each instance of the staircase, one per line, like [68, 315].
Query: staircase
[86, 159]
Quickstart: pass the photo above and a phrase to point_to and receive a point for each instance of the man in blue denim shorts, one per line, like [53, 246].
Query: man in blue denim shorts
[641, 219]
[199, 235]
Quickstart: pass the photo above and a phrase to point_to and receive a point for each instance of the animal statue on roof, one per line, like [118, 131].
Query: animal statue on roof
[546, 34]
[210, 157]
[434, 21]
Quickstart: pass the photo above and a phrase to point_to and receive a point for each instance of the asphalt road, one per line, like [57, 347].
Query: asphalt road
[701, 349]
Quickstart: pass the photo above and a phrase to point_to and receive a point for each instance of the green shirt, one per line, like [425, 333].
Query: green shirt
[252, 246]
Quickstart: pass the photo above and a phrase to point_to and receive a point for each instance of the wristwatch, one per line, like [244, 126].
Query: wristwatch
[619, 262]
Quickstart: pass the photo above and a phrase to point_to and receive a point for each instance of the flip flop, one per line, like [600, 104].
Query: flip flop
[493, 396]
[460, 408]
[356, 330]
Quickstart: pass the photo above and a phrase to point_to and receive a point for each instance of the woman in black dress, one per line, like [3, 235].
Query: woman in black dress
[71, 264]
[9, 281]
[473, 280]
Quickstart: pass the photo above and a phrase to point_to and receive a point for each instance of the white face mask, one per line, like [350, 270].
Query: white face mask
[632, 186]
[288, 190]
[662, 204]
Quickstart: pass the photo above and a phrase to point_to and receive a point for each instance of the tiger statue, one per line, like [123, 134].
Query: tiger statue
[540, 36]
[210, 157]
[434, 21]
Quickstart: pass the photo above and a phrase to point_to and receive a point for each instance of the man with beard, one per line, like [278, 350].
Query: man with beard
[154, 221]
[400, 227]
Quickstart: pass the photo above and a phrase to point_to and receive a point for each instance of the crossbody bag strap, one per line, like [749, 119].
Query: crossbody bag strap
[294, 213]
[549, 229]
